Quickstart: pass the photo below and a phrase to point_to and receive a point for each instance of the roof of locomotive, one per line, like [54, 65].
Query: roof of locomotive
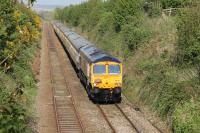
[91, 52]
[94, 54]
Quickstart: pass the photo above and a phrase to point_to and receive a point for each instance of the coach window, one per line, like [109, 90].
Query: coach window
[114, 69]
[99, 69]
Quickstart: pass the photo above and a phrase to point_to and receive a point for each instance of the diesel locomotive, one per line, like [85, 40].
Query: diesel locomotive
[100, 72]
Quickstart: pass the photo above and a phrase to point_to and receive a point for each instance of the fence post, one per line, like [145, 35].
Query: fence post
[170, 11]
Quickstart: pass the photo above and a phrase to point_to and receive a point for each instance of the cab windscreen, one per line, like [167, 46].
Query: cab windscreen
[114, 69]
[99, 69]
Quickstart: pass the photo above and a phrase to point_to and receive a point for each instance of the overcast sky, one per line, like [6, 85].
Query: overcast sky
[58, 2]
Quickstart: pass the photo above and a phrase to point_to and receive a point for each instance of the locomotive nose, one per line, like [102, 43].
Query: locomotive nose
[106, 82]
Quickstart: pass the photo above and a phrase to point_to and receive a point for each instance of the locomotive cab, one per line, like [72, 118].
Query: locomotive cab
[106, 81]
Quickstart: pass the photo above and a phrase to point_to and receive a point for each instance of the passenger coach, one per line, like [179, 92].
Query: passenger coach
[100, 72]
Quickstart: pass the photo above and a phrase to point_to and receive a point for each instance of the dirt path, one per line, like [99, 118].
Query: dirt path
[44, 99]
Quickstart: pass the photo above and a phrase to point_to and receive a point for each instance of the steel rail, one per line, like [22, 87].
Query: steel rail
[105, 117]
[131, 105]
[125, 116]
[51, 78]
[64, 124]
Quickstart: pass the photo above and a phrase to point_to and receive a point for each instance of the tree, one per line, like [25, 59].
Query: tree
[124, 9]
[173, 3]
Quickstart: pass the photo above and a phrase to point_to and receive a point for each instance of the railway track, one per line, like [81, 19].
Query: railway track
[135, 127]
[124, 114]
[111, 125]
[137, 109]
[67, 117]
[107, 120]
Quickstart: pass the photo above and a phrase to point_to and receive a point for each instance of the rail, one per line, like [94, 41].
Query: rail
[66, 114]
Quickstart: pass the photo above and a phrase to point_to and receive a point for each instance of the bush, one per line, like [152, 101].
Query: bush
[154, 11]
[106, 23]
[188, 47]
[173, 3]
[178, 101]
[19, 26]
[17, 91]
[134, 36]
[124, 9]
[16, 94]
[19, 35]
[162, 90]
[186, 118]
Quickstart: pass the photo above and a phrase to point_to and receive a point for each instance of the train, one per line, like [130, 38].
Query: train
[100, 72]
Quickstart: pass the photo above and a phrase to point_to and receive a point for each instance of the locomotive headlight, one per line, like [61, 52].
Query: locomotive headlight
[97, 81]
[118, 84]
[95, 84]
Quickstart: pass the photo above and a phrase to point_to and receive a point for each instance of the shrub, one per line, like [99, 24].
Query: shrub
[154, 11]
[19, 34]
[160, 87]
[134, 36]
[173, 3]
[188, 47]
[124, 9]
[178, 101]
[106, 23]
[186, 118]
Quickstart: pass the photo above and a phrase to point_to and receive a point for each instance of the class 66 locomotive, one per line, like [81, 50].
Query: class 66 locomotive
[100, 72]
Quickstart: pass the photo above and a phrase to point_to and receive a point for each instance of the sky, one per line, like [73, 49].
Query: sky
[58, 2]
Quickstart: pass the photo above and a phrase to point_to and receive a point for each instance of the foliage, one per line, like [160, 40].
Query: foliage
[188, 47]
[187, 118]
[17, 27]
[154, 11]
[106, 23]
[123, 10]
[176, 100]
[134, 36]
[168, 3]
[122, 28]
[16, 93]
[171, 91]
[122, 17]
[163, 92]
[172, 3]
[19, 34]
[176, 3]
